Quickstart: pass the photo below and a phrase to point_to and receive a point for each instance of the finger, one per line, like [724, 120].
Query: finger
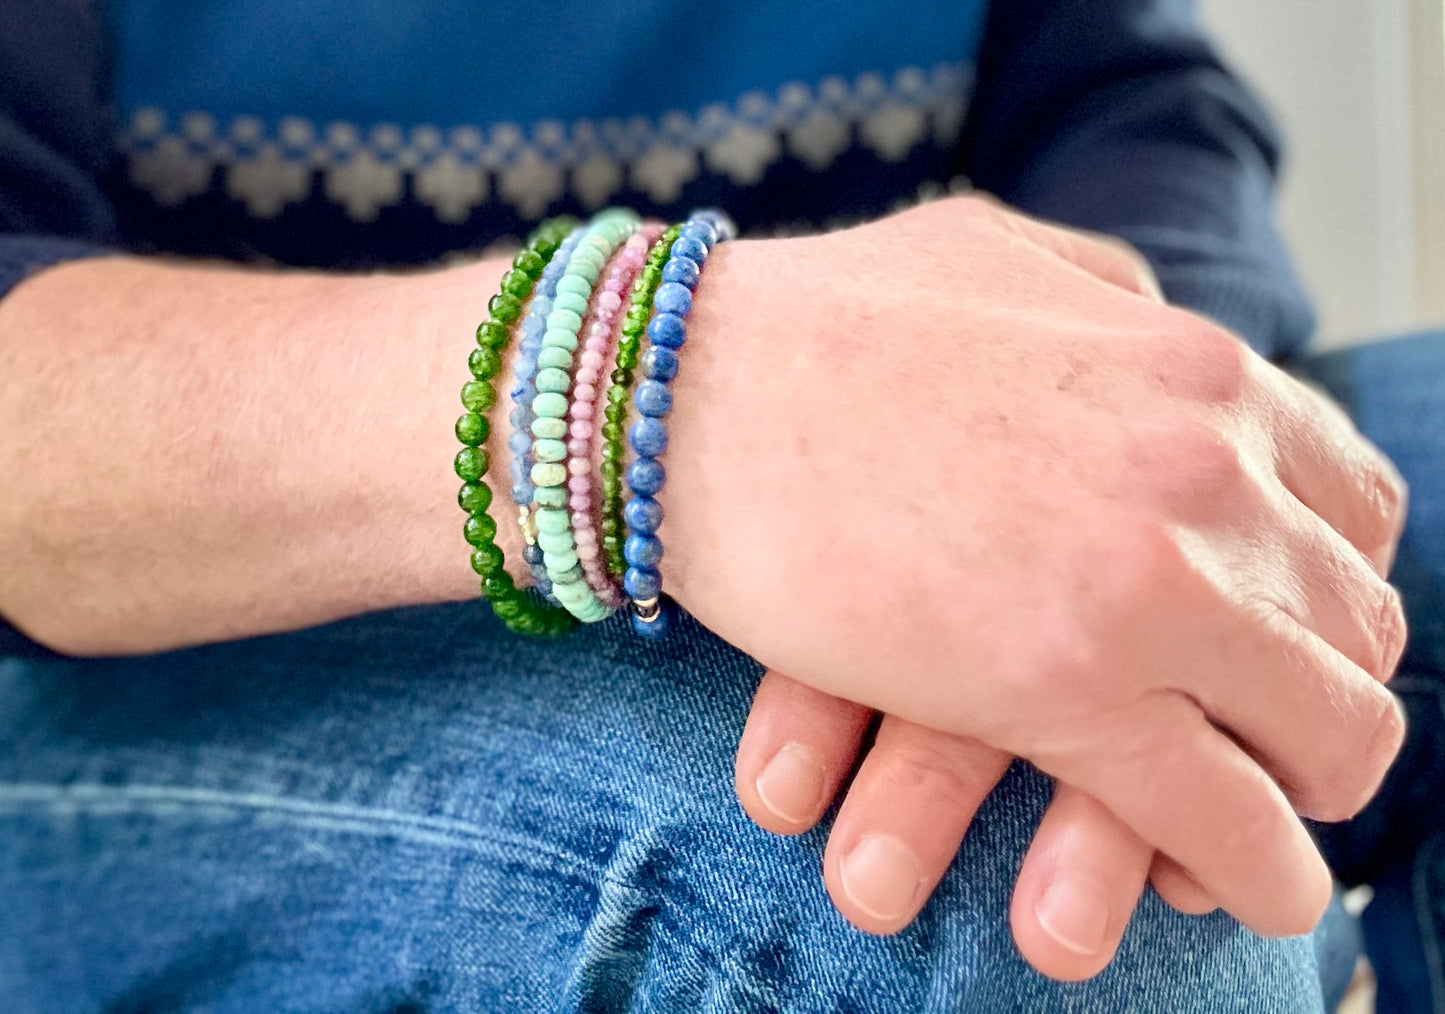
[1334, 470]
[1322, 726]
[1342, 597]
[1181, 891]
[795, 753]
[1233, 829]
[902, 821]
[1106, 257]
[1080, 882]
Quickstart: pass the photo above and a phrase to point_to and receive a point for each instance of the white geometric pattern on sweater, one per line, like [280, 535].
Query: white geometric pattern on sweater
[365, 168]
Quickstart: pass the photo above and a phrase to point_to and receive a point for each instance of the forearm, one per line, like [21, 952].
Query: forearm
[202, 453]
[196, 453]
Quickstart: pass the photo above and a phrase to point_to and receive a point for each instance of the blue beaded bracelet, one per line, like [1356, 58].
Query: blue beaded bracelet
[666, 334]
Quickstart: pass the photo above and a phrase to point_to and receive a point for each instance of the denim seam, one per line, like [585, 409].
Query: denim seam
[1424, 917]
[440, 831]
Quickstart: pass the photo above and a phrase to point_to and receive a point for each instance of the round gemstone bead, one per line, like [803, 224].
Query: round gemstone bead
[659, 363]
[549, 473]
[643, 514]
[517, 284]
[519, 443]
[479, 529]
[554, 357]
[554, 380]
[645, 476]
[499, 585]
[653, 398]
[691, 248]
[672, 297]
[471, 464]
[642, 583]
[530, 262]
[478, 396]
[532, 554]
[562, 322]
[472, 429]
[648, 437]
[643, 550]
[493, 334]
[549, 428]
[700, 229]
[667, 330]
[486, 559]
[550, 403]
[504, 307]
[484, 363]
[474, 497]
[682, 270]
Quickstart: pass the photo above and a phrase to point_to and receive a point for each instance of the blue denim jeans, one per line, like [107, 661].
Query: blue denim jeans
[1396, 392]
[413, 810]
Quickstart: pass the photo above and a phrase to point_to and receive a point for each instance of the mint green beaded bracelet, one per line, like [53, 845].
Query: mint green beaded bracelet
[606, 232]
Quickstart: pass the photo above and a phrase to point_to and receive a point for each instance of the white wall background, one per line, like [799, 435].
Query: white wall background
[1360, 88]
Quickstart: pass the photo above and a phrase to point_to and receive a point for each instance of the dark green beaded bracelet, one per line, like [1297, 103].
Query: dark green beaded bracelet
[634, 324]
[522, 613]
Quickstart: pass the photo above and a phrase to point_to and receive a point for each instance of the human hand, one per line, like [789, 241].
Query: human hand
[1185, 614]
[918, 790]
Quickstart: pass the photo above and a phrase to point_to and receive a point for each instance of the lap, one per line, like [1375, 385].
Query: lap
[413, 810]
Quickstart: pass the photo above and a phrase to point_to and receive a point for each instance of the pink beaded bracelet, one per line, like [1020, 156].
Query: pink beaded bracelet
[599, 329]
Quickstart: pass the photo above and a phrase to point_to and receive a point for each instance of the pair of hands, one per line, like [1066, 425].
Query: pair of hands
[977, 477]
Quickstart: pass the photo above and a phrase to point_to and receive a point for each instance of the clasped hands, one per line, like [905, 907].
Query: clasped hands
[976, 476]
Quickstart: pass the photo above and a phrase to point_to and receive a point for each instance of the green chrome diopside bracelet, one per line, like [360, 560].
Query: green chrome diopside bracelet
[607, 231]
[634, 325]
[521, 613]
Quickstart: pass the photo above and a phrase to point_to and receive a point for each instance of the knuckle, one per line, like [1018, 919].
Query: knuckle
[1199, 361]
[1204, 466]
[1261, 828]
[1132, 264]
[1358, 775]
[1385, 494]
[1391, 631]
[948, 774]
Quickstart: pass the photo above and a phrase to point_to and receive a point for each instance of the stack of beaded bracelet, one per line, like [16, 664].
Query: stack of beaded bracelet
[511, 605]
[553, 414]
[666, 333]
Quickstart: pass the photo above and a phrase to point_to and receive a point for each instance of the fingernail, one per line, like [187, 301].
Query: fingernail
[882, 877]
[792, 784]
[1075, 913]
